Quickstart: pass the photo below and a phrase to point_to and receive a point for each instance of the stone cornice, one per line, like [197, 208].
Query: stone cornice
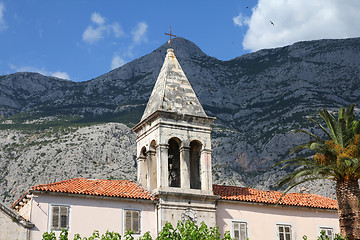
[184, 195]
[174, 116]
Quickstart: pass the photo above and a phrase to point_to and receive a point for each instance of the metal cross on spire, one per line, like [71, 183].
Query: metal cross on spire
[170, 35]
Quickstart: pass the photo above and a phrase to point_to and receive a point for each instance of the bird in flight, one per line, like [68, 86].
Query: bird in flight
[272, 23]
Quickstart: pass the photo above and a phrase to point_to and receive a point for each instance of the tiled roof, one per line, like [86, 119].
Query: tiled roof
[129, 189]
[97, 187]
[271, 197]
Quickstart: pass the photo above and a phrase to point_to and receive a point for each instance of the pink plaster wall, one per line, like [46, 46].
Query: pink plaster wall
[262, 220]
[89, 214]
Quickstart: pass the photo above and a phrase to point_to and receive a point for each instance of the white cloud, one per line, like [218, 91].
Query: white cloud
[42, 71]
[138, 36]
[97, 18]
[118, 32]
[239, 20]
[299, 20]
[3, 25]
[139, 33]
[117, 61]
[93, 34]
[62, 75]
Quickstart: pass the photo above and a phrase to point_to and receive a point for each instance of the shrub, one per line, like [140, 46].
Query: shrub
[186, 231]
[324, 237]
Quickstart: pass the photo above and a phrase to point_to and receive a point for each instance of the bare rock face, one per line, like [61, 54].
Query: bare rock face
[103, 151]
[53, 129]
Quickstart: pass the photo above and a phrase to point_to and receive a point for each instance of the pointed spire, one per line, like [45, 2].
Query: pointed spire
[172, 91]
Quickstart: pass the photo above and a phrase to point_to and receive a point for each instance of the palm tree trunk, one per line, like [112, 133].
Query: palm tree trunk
[348, 198]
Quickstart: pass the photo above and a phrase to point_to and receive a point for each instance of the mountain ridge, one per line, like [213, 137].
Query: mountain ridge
[259, 99]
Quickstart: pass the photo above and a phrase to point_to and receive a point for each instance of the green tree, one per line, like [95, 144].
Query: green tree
[51, 235]
[337, 157]
[48, 236]
[191, 231]
[184, 231]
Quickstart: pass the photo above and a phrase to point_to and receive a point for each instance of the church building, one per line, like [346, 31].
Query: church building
[174, 183]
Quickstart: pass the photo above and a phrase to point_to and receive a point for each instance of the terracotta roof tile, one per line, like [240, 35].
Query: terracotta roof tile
[129, 189]
[97, 187]
[271, 197]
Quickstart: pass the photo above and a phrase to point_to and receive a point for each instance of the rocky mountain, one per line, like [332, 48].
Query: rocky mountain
[53, 129]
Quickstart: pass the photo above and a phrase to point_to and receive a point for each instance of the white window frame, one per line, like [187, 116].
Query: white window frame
[124, 219]
[321, 228]
[238, 221]
[285, 225]
[50, 217]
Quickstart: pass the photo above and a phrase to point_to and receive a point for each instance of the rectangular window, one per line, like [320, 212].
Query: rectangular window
[239, 230]
[132, 221]
[328, 232]
[284, 232]
[59, 217]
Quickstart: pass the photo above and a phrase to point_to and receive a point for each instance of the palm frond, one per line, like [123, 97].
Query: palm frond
[356, 127]
[321, 127]
[296, 183]
[337, 157]
[302, 146]
[349, 113]
[330, 122]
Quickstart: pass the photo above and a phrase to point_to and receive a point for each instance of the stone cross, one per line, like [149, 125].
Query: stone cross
[170, 35]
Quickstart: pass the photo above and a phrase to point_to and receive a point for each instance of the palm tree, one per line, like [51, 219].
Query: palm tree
[337, 157]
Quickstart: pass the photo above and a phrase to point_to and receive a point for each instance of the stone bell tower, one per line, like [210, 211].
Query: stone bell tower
[174, 149]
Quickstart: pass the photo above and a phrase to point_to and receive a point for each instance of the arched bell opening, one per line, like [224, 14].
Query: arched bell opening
[174, 162]
[141, 168]
[143, 152]
[195, 179]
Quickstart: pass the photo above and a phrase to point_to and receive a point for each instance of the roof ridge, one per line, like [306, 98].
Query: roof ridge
[245, 194]
[121, 188]
[55, 183]
[274, 191]
[78, 178]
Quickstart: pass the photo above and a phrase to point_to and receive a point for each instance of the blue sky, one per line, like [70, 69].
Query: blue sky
[80, 40]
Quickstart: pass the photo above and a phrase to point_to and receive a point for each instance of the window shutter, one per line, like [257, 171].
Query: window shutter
[281, 233]
[287, 233]
[328, 232]
[243, 232]
[236, 235]
[55, 217]
[63, 217]
[236, 230]
[135, 222]
[240, 230]
[127, 221]
[284, 232]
